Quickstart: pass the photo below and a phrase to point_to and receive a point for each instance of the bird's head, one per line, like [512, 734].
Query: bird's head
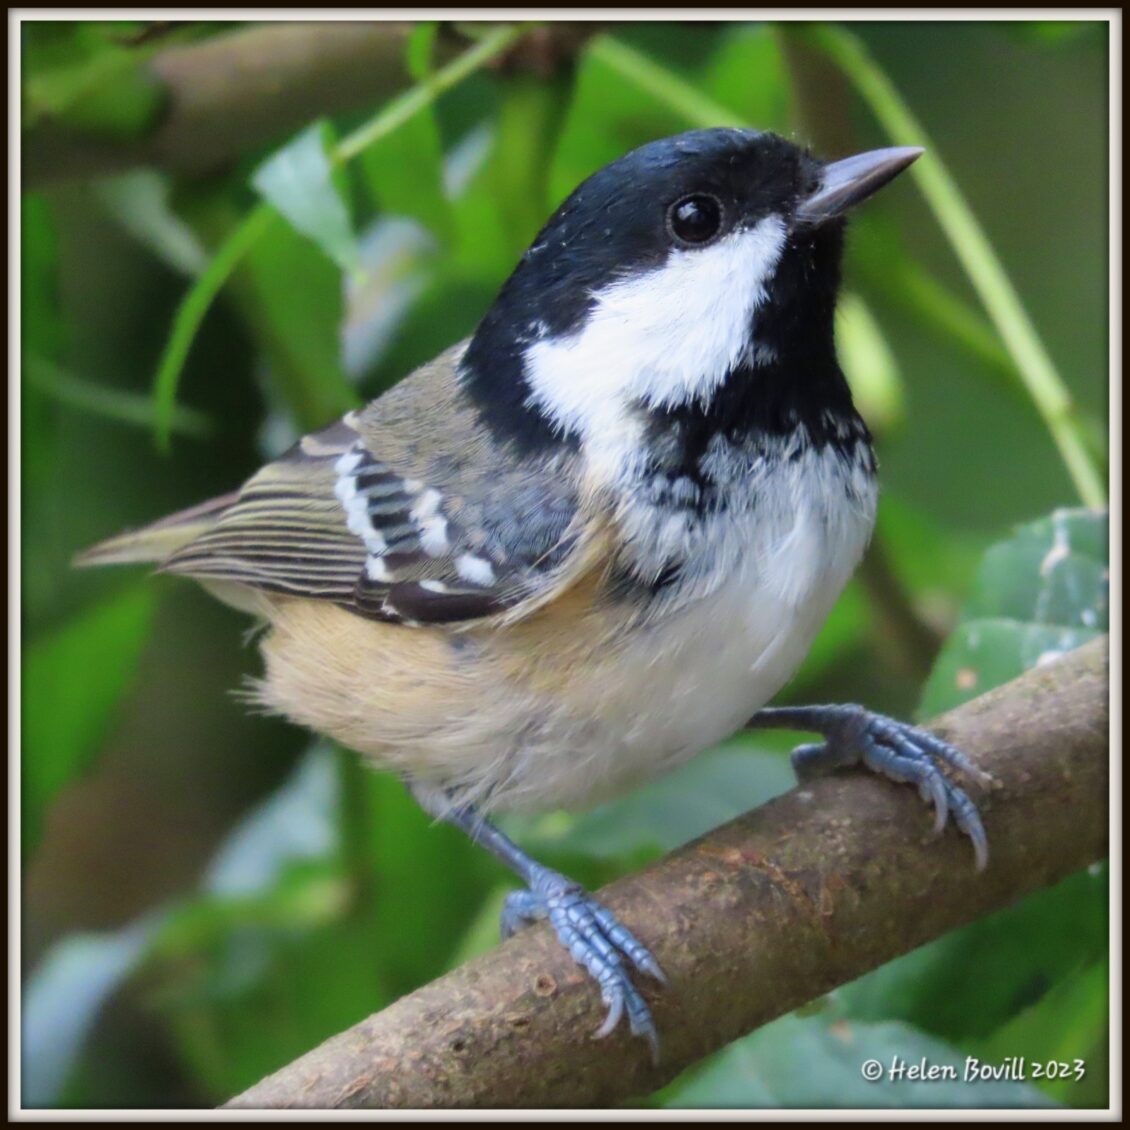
[688, 264]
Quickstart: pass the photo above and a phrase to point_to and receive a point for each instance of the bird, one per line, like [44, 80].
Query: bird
[596, 537]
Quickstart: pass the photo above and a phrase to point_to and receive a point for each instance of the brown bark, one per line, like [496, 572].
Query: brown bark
[749, 922]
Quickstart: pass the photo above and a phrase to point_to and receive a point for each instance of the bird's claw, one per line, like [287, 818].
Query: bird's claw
[597, 941]
[903, 753]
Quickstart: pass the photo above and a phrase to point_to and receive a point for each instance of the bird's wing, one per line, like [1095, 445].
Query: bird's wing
[348, 515]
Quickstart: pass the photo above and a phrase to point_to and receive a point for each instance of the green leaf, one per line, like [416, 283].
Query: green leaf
[41, 327]
[420, 49]
[1053, 571]
[285, 928]
[276, 870]
[289, 993]
[530, 119]
[983, 654]
[664, 85]
[1069, 1025]
[77, 75]
[63, 998]
[291, 295]
[818, 1061]
[483, 248]
[740, 774]
[191, 313]
[405, 171]
[404, 174]
[42, 334]
[139, 201]
[1043, 592]
[877, 250]
[611, 113]
[967, 985]
[934, 560]
[72, 680]
[296, 822]
[298, 181]
[429, 882]
[405, 106]
[749, 75]
[258, 997]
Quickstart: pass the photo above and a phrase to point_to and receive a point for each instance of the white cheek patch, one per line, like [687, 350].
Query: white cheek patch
[666, 337]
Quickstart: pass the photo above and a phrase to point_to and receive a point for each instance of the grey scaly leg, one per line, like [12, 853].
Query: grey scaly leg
[594, 937]
[896, 749]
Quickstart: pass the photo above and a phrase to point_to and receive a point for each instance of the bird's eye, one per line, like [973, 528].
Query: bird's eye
[695, 219]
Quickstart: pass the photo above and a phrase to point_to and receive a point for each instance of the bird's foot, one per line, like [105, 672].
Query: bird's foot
[897, 750]
[596, 940]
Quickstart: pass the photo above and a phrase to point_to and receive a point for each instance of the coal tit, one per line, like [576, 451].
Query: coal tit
[577, 549]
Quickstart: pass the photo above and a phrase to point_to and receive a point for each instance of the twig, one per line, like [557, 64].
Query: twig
[235, 92]
[749, 922]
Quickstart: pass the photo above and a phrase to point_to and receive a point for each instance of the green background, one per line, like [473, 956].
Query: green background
[206, 895]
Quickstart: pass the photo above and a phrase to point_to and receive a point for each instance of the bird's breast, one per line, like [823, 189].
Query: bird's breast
[752, 587]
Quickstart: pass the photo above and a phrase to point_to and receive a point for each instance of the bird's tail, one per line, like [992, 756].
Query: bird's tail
[159, 540]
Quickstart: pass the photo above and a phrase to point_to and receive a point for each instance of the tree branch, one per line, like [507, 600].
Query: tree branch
[749, 922]
[234, 92]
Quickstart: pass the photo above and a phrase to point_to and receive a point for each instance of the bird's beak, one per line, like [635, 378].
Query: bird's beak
[853, 179]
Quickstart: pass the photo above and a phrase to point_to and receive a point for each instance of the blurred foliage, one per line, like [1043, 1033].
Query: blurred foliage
[1043, 592]
[88, 76]
[280, 290]
[814, 1061]
[73, 678]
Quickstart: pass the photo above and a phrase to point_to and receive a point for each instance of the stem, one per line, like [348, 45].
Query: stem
[411, 102]
[977, 257]
[110, 403]
[663, 85]
[191, 313]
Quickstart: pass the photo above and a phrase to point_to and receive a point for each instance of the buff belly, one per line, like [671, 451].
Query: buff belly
[564, 708]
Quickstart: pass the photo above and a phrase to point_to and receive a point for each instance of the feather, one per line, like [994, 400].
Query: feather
[159, 540]
[378, 516]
